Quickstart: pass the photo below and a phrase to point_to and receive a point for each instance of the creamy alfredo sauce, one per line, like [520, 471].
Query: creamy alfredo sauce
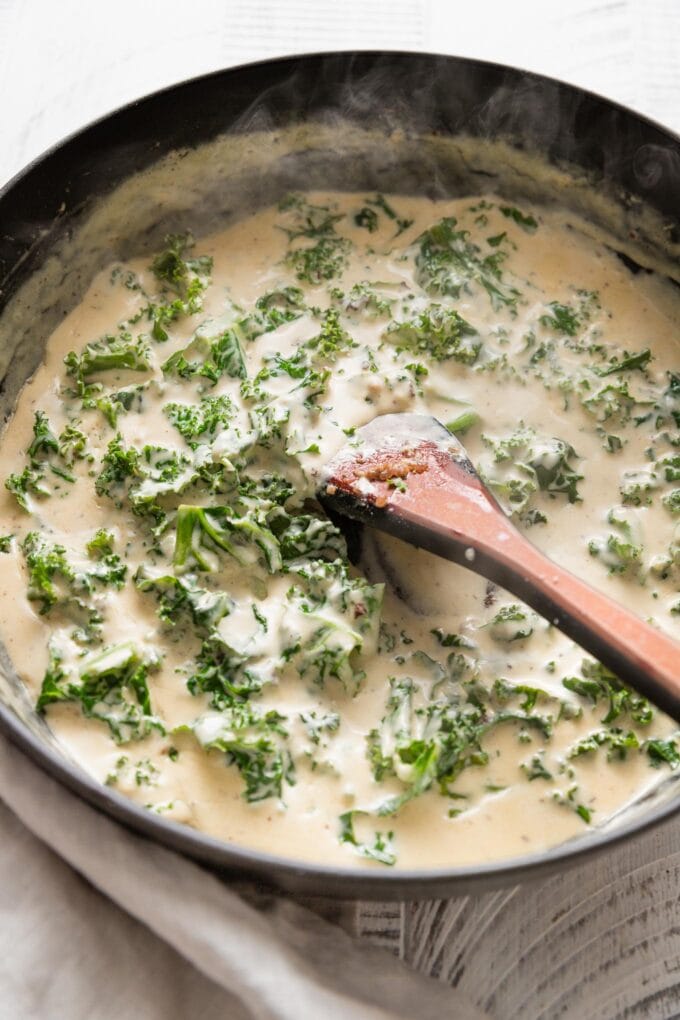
[187, 619]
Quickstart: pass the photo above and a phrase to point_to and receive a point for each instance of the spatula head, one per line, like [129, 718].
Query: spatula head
[388, 449]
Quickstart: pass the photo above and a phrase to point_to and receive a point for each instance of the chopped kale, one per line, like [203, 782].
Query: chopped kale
[178, 270]
[626, 363]
[616, 740]
[367, 218]
[535, 768]
[662, 752]
[118, 464]
[255, 742]
[523, 220]
[620, 550]
[49, 570]
[317, 725]
[209, 358]
[307, 536]
[448, 262]
[330, 620]
[465, 421]
[613, 402]
[47, 456]
[73, 445]
[110, 353]
[179, 595]
[201, 422]
[29, 481]
[636, 487]
[381, 850]
[672, 501]
[110, 686]
[524, 463]
[374, 299]
[447, 640]
[561, 318]
[512, 622]
[326, 257]
[438, 332]
[597, 684]
[204, 533]
[226, 675]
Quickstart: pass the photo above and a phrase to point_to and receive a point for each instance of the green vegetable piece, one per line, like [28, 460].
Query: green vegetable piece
[111, 686]
[45, 453]
[204, 532]
[331, 619]
[463, 423]
[613, 402]
[200, 423]
[671, 467]
[178, 595]
[617, 742]
[255, 742]
[49, 571]
[367, 218]
[562, 318]
[109, 353]
[597, 684]
[73, 445]
[227, 676]
[451, 640]
[662, 752]
[374, 299]
[512, 623]
[317, 725]
[448, 263]
[439, 332]
[523, 220]
[44, 440]
[672, 501]
[381, 850]
[118, 464]
[30, 480]
[636, 487]
[627, 363]
[209, 357]
[55, 582]
[108, 569]
[175, 269]
[619, 550]
[424, 744]
[307, 536]
[549, 459]
[322, 260]
[535, 768]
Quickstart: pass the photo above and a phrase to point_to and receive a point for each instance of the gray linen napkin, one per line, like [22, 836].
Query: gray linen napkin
[200, 950]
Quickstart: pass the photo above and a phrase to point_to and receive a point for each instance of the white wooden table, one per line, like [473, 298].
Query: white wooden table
[600, 941]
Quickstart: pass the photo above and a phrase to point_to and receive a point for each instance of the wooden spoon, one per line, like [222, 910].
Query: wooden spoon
[407, 475]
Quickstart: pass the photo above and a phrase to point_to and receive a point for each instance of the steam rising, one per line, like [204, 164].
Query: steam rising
[354, 123]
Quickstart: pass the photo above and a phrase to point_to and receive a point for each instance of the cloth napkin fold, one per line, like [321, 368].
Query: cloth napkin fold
[195, 947]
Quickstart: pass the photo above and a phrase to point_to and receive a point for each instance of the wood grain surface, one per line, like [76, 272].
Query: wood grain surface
[598, 942]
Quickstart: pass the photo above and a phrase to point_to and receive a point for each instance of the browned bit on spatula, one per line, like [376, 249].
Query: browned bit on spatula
[407, 475]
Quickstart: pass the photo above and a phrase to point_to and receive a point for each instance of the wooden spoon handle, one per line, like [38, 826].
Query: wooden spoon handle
[445, 510]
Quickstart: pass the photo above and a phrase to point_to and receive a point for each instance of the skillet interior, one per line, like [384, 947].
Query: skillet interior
[213, 150]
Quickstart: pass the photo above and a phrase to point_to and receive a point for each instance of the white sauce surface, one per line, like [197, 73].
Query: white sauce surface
[504, 814]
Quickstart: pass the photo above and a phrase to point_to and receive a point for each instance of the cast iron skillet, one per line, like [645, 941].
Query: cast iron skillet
[433, 94]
